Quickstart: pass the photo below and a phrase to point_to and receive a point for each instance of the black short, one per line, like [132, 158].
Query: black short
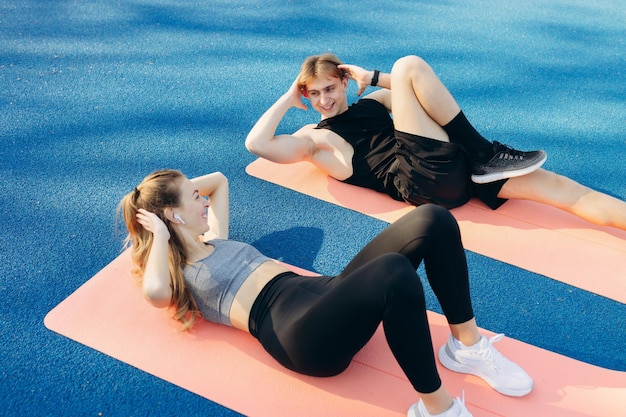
[431, 171]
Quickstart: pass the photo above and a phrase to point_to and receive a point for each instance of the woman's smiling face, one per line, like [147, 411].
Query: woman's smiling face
[193, 208]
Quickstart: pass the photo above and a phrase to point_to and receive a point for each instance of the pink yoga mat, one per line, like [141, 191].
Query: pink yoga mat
[528, 235]
[109, 314]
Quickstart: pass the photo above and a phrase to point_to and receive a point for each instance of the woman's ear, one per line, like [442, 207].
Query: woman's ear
[168, 213]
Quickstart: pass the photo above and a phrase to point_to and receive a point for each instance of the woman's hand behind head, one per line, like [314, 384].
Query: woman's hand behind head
[152, 223]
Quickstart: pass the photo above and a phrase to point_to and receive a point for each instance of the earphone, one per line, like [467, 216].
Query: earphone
[177, 217]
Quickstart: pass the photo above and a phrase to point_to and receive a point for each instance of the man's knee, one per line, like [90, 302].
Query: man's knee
[410, 65]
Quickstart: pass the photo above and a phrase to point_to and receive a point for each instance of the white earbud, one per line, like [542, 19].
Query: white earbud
[177, 217]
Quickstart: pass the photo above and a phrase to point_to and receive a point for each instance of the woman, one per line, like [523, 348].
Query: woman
[314, 325]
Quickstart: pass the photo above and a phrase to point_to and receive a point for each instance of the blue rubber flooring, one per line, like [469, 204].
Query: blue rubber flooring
[97, 94]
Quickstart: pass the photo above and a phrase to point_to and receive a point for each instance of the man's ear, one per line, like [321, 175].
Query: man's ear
[344, 82]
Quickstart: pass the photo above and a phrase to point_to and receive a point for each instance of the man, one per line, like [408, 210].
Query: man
[428, 152]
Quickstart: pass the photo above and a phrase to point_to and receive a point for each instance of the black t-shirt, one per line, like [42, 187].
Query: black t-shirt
[368, 127]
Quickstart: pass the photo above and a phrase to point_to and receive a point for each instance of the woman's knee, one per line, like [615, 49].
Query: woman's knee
[392, 261]
[397, 271]
[436, 218]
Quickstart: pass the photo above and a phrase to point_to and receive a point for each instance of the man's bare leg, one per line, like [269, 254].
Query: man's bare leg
[420, 103]
[566, 194]
[423, 106]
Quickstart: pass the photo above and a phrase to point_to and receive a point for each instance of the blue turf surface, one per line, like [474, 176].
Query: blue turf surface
[97, 94]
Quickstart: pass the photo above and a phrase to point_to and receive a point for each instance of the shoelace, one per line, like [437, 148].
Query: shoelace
[489, 354]
[462, 399]
[506, 152]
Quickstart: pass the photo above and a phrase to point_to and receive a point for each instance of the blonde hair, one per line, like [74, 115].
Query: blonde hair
[318, 66]
[157, 192]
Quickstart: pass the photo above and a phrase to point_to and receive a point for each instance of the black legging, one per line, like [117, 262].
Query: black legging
[315, 325]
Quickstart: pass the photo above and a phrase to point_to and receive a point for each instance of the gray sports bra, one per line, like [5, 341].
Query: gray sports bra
[214, 280]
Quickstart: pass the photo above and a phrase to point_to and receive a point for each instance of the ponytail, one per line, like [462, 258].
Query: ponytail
[157, 192]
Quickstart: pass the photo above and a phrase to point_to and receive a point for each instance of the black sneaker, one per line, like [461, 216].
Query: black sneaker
[507, 163]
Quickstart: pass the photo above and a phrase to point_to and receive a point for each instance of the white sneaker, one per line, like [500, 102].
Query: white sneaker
[484, 361]
[457, 410]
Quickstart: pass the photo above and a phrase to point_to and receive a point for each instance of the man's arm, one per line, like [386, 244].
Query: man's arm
[364, 78]
[284, 149]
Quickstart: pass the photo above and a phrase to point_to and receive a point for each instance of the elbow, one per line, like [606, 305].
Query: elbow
[159, 297]
[252, 145]
[221, 178]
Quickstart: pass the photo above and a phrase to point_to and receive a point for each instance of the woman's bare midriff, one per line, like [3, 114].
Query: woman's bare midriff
[249, 290]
